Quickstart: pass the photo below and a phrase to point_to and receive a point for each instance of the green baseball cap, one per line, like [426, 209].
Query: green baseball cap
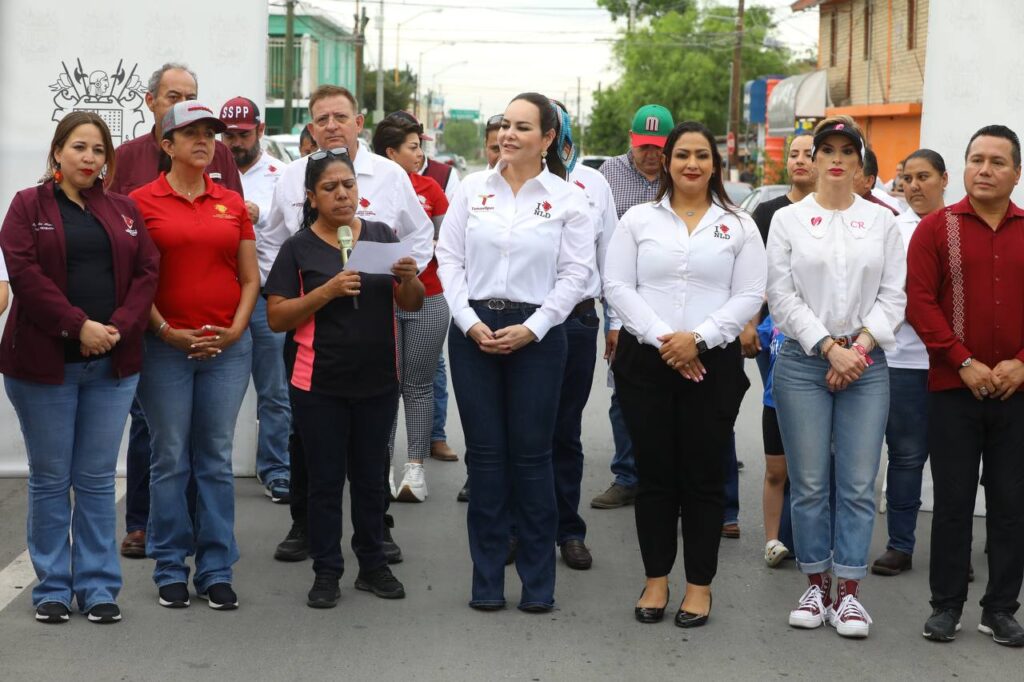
[651, 125]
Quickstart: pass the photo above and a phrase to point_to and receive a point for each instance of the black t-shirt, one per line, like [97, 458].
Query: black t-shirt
[765, 211]
[342, 351]
[90, 263]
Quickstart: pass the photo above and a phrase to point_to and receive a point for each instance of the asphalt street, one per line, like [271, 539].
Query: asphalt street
[433, 635]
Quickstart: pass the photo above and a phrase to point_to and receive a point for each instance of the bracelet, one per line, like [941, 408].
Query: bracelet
[160, 330]
[826, 348]
[863, 353]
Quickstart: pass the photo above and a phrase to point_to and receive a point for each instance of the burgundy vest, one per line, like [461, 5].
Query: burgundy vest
[440, 172]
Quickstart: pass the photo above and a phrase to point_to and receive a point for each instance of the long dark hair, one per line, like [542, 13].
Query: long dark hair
[716, 187]
[67, 125]
[314, 171]
[549, 121]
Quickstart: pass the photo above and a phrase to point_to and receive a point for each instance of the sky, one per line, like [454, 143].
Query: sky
[481, 53]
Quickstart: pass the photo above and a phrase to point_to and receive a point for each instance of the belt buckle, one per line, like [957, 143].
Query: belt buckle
[495, 304]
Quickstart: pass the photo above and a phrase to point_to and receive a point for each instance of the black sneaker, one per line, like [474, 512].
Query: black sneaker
[52, 612]
[104, 613]
[221, 597]
[295, 546]
[382, 582]
[278, 491]
[1003, 627]
[174, 596]
[392, 552]
[325, 592]
[942, 625]
[463, 495]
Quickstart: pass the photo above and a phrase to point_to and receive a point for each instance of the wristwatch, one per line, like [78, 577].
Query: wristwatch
[966, 363]
[702, 345]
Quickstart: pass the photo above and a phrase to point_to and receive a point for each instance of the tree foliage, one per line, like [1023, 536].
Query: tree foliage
[645, 8]
[396, 97]
[683, 60]
[463, 138]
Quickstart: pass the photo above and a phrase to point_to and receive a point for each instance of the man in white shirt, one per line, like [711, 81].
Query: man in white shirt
[385, 195]
[259, 177]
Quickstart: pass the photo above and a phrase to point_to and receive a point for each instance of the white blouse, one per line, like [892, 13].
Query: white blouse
[661, 279]
[831, 273]
[3, 268]
[536, 247]
[910, 351]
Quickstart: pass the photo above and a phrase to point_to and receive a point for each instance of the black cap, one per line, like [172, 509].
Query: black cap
[838, 128]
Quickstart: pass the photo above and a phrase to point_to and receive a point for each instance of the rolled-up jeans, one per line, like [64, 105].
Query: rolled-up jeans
[813, 420]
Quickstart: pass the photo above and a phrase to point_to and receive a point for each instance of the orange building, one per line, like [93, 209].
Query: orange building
[874, 52]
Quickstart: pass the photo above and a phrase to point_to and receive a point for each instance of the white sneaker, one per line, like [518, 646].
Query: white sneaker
[414, 484]
[811, 611]
[391, 483]
[850, 618]
[774, 553]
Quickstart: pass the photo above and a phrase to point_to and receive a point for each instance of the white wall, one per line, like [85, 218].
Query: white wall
[224, 42]
[972, 78]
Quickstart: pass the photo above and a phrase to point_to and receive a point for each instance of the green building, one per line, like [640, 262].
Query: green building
[324, 53]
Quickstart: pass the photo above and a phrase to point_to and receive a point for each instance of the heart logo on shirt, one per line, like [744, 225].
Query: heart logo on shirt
[364, 202]
[546, 206]
[816, 220]
[724, 228]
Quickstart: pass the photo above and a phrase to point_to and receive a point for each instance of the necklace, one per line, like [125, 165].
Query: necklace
[690, 214]
[186, 192]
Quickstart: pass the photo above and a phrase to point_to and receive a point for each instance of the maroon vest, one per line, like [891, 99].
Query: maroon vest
[440, 172]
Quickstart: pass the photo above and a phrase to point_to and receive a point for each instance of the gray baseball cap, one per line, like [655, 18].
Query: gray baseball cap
[188, 112]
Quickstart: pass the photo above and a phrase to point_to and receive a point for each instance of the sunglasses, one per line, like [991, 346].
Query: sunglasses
[336, 152]
[495, 120]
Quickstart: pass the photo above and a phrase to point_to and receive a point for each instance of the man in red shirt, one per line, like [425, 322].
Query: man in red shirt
[138, 164]
[965, 299]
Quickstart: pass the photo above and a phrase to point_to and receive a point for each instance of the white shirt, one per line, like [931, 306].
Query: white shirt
[3, 269]
[536, 246]
[259, 182]
[385, 195]
[601, 208]
[661, 279]
[831, 273]
[910, 352]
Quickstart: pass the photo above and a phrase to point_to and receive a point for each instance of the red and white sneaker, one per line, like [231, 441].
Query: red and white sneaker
[850, 618]
[812, 610]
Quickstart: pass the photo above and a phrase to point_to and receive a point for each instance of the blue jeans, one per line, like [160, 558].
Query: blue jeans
[136, 497]
[273, 409]
[814, 421]
[567, 449]
[507, 404]
[440, 402]
[906, 434]
[72, 434]
[623, 464]
[192, 407]
[731, 512]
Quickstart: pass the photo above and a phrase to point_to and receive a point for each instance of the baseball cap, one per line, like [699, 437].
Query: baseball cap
[188, 112]
[838, 128]
[240, 113]
[406, 117]
[651, 125]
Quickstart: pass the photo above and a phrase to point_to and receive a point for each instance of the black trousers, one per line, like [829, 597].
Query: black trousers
[680, 431]
[339, 438]
[964, 432]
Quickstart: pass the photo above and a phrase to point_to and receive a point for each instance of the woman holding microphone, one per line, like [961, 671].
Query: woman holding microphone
[515, 254]
[685, 273]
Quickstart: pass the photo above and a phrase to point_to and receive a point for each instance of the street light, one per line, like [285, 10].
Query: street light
[398, 31]
[419, 74]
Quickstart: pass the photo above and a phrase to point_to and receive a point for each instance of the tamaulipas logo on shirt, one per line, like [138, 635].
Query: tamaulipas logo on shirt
[483, 205]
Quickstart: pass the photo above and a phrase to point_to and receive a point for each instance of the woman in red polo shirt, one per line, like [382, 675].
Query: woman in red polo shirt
[421, 333]
[198, 359]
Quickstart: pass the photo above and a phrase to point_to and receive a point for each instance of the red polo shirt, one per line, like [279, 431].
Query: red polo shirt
[198, 243]
[435, 203]
[965, 290]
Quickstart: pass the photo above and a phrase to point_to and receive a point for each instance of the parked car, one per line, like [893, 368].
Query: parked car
[445, 158]
[593, 161]
[762, 194]
[281, 147]
[737, 191]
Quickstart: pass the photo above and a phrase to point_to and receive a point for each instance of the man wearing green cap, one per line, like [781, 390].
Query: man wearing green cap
[633, 178]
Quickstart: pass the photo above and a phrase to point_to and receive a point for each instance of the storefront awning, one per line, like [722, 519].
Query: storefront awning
[796, 97]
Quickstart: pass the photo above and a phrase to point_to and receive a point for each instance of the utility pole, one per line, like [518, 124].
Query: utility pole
[289, 66]
[632, 15]
[360, 21]
[735, 92]
[378, 114]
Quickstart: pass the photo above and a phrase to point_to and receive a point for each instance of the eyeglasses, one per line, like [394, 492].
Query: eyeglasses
[495, 120]
[320, 155]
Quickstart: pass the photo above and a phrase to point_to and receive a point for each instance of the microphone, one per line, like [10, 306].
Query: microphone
[345, 241]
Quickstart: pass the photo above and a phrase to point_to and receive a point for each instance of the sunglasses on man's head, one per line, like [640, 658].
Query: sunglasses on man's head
[495, 120]
[337, 151]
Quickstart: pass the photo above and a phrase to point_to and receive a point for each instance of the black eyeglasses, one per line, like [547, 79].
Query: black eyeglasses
[495, 120]
[320, 155]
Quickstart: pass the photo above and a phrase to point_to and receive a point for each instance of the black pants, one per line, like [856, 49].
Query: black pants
[964, 432]
[680, 431]
[339, 438]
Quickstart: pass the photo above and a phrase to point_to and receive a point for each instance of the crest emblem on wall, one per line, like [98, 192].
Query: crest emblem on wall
[116, 96]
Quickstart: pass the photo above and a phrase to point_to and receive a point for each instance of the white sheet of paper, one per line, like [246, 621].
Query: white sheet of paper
[376, 258]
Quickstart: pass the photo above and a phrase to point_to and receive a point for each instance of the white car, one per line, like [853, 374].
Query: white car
[282, 147]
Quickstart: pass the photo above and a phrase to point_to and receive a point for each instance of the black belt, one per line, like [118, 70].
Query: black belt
[583, 307]
[503, 304]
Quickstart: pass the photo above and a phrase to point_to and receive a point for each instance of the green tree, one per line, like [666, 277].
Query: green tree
[644, 8]
[396, 97]
[463, 138]
[683, 60]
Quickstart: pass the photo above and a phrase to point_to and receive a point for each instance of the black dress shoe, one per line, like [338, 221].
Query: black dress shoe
[893, 562]
[1003, 627]
[685, 619]
[576, 555]
[648, 614]
[463, 495]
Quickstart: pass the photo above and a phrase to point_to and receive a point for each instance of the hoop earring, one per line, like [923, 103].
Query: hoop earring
[58, 177]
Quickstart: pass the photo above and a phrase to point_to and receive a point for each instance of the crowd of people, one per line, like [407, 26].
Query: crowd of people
[152, 281]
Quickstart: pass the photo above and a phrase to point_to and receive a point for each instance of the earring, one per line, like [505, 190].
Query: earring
[58, 177]
[544, 154]
[103, 172]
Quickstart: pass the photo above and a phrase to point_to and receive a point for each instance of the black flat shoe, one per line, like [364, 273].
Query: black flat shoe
[685, 619]
[647, 614]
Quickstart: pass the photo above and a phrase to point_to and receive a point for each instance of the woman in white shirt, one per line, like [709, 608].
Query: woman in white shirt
[923, 180]
[4, 287]
[515, 253]
[684, 273]
[836, 272]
